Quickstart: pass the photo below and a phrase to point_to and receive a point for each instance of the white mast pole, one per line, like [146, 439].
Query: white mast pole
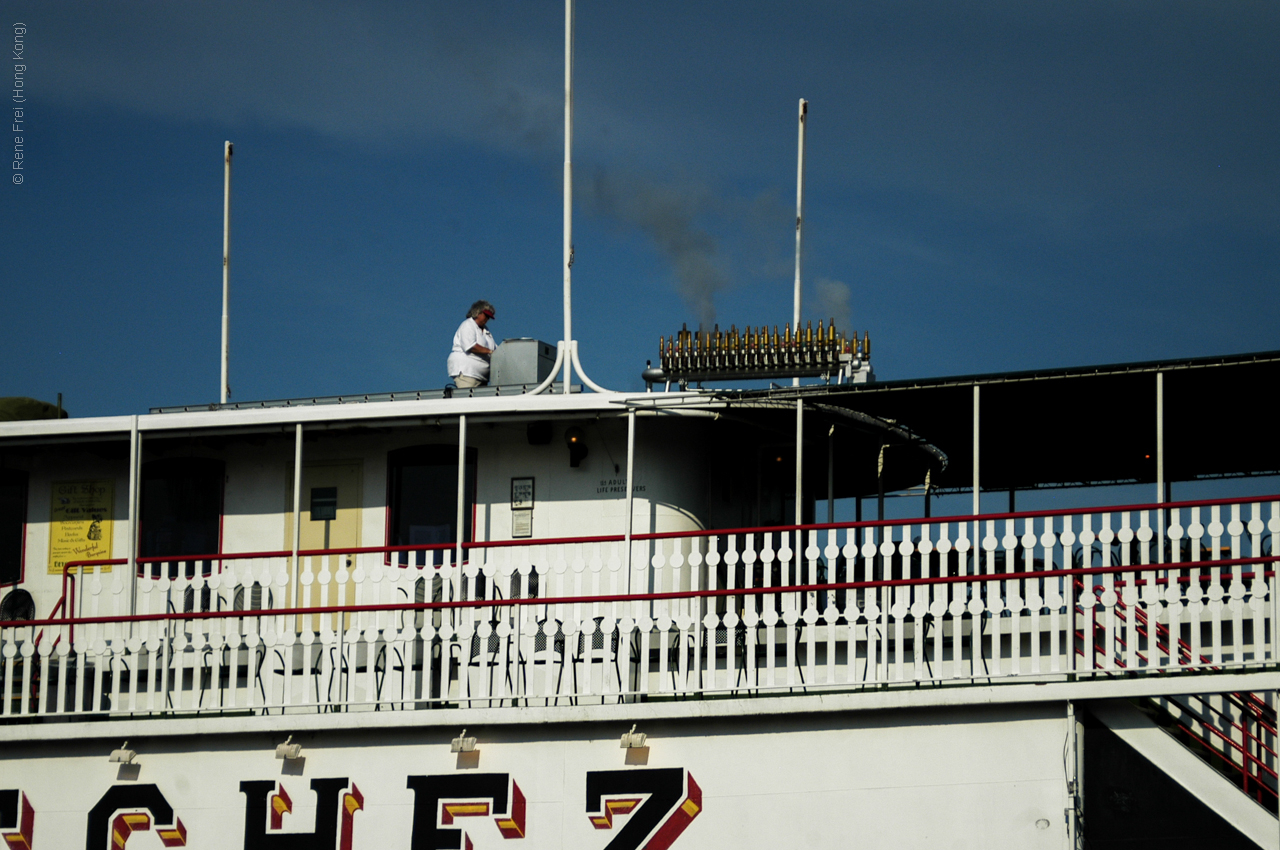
[224, 389]
[568, 191]
[795, 323]
[795, 313]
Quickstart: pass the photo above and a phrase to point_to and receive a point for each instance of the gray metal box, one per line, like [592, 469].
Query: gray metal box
[521, 361]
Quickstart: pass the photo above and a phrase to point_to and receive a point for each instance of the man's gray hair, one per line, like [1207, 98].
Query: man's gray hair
[478, 308]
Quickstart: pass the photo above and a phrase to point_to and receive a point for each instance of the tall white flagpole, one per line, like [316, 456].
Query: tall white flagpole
[568, 192]
[795, 313]
[224, 388]
[795, 323]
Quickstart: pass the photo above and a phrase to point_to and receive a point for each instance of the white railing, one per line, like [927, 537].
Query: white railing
[958, 600]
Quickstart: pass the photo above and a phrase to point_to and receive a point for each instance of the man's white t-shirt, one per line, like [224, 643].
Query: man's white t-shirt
[461, 362]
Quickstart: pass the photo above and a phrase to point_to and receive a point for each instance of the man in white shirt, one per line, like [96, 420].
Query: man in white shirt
[468, 364]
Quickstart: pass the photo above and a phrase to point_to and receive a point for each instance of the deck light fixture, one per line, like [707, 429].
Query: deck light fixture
[633, 739]
[124, 755]
[289, 751]
[576, 440]
[462, 744]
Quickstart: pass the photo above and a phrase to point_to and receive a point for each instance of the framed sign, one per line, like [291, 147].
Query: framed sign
[521, 494]
[522, 523]
[80, 522]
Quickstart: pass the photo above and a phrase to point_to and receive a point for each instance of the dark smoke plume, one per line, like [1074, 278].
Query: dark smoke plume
[833, 300]
[667, 214]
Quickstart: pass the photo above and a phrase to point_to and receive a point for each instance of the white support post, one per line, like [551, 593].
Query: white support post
[555, 370]
[1072, 766]
[297, 508]
[224, 387]
[1159, 437]
[582, 373]
[1275, 609]
[462, 482]
[799, 468]
[135, 458]
[831, 474]
[977, 497]
[631, 465]
[1160, 518]
[976, 539]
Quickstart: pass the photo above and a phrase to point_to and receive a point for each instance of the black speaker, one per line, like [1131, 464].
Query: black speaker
[539, 433]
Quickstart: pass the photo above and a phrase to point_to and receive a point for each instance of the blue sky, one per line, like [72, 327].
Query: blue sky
[991, 186]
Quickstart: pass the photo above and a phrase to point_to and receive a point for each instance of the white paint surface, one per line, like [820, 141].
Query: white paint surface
[897, 780]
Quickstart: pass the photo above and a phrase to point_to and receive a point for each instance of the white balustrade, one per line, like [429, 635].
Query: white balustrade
[741, 612]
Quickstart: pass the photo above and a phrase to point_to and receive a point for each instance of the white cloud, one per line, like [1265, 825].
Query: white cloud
[341, 70]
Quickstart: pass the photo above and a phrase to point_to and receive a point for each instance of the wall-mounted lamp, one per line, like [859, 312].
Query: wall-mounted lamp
[462, 744]
[289, 750]
[633, 739]
[124, 755]
[576, 440]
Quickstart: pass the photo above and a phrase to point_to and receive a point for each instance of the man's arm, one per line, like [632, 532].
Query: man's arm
[473, 334]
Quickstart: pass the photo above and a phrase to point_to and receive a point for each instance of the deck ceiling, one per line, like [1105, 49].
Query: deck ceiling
[1080, 426]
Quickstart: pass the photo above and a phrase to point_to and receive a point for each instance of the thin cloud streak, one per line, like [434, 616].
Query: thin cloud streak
[994, 183]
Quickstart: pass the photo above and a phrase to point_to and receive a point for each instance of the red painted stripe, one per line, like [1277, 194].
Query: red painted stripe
[679, 535]
[645, 597]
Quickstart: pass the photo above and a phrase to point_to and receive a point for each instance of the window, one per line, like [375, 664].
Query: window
[422, 497]
[181, 507]
[13, 521]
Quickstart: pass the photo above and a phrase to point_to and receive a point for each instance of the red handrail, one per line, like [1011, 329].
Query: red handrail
[645, 597]
[1224, 719]
[1141, 624]
[962, 518]
[40, 636]
[1248, 757]
[1248, 703]
[674, 535]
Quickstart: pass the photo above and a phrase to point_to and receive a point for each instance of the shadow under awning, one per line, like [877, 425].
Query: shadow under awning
[1081, 426]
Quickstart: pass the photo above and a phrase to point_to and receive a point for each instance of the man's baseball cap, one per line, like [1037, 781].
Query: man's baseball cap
[488, 311]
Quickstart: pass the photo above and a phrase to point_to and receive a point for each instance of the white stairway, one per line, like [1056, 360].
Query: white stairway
[1189, 771]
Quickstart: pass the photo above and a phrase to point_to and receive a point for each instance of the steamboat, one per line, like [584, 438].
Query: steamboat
[548, 613]
[412, 620]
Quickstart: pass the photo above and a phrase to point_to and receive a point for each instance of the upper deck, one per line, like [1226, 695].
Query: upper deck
[1100, 602]
[315, 562]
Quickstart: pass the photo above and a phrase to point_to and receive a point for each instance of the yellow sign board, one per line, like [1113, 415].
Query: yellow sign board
[80, 522]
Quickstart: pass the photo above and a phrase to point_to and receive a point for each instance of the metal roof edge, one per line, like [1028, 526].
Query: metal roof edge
[1013, 377]
[365, 412]
[360, 410]
[67, 427]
